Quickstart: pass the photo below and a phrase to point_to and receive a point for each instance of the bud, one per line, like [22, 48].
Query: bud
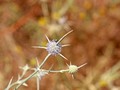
[73, 68]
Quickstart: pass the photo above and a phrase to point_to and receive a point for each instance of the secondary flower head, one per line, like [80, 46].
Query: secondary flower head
[54, 47]
[73, 68]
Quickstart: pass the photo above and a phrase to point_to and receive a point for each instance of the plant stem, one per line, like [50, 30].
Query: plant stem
[30, 76]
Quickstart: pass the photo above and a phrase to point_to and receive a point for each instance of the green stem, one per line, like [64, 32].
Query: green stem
[30, 76]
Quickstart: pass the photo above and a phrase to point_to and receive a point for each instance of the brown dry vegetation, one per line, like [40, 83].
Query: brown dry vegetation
[95, 40]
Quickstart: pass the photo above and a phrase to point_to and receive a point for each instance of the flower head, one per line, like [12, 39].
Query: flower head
[73, 68]
[54, 47]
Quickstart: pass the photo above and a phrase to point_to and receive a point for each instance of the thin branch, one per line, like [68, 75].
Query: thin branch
[57, 71]
[65, 45]
[44, 60]
[38, 83]
[64, 36]
[47, 38]
[39, 47]
[9, 84]
[82, 65]
[63, 56]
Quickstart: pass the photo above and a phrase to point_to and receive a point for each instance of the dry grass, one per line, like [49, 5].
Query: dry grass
[95, 40]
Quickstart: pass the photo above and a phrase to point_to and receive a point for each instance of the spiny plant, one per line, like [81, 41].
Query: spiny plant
[53, 47]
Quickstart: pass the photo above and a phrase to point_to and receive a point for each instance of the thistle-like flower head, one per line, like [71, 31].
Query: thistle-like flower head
[54, 47]
[73, 68]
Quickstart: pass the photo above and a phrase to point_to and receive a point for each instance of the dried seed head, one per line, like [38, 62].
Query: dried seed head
[73, 68]
[53, 47]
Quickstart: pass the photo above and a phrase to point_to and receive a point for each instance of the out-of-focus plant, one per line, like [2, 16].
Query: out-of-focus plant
[56, 20]
[107, 78]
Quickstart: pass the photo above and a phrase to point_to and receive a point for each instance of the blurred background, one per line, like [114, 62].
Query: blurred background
[95, 40]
